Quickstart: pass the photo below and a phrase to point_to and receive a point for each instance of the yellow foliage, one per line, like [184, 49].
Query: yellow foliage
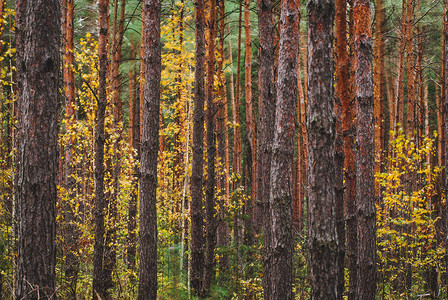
[406, 219]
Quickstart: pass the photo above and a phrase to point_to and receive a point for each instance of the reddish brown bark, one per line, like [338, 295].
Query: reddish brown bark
[322, 235]
[282, 156]
[223, 238]
[378, 81]
[149, 150]
[410, 68]
[210, 216]
[349, 133]
[71, 232]
[365, 191]
[197, 214]
[250, 120]
[265, 132]
[445, 100]
[38, 31]
[342, 95]
[134, 140]
[399, 92]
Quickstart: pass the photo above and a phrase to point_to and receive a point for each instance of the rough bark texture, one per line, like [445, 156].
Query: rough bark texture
[134, 139]
[265, 132]
[410, 67]
[342, 95]
[211, 223]
[378, 88]
[445, 87]
[349, 129]
[71, 231]
[150, 146]
[321, 129]
[250, 120]
[282, 241]
[197, 214]
[38, 75]
[365, 160]
[99, 275]
[399, 91]
[223, 238]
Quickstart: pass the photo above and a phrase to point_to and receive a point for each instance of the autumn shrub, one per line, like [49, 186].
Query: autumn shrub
[406, 217]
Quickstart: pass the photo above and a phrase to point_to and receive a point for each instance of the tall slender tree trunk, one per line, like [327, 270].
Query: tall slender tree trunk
[134, 140]
[410, 68]
[378, 88]
[282, 241]
[71, 231]
[265, 132]
[365, 193]
[321, 125]
[211, 223]
[38, 75]
[445, 100]
[399, 92]
[237, 227]
[150, 147]
[99, 275]
[349, 133]
[197, 214]
[250, 120]
[223, 146]
[342, 95]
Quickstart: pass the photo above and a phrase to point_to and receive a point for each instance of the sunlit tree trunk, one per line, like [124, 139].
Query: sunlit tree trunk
[149, 151]
[282, 244]
[365, 194]
[197, 214]
[321, 127]
[38, 34]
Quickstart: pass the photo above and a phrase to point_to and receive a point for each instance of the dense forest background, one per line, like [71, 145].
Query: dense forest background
[241, 210]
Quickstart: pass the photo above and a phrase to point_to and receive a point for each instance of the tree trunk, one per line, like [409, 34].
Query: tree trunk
[99, 275]
[250, 121]
[365, 160]
[445, 100]
[399, 96]
[134, 140]
[150, 147]
[378, 88]
[223, 147]
[349, 133]
[265, 132]
[322, 234]
[71, 231]
[197, 214]
[410, 67]
[342, 95]
[282, 241]
[38, 34]
[211, 223]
